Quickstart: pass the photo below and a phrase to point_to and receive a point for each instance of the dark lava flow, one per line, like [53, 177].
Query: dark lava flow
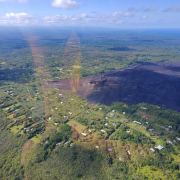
[153, 83]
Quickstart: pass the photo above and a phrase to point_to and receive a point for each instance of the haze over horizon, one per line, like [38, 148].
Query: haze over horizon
[113, 14]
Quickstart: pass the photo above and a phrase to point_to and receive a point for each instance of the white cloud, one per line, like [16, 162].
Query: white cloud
[19, 16]
[172, 9]
[84, 19]
[65, 4]
[151, 9]
[144, 17]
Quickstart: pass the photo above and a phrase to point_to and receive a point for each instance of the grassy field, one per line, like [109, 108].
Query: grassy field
[79, 127]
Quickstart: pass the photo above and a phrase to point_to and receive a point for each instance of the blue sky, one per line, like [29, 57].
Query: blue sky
[102, 13]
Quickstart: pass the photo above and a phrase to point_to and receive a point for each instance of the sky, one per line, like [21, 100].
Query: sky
[98, 13]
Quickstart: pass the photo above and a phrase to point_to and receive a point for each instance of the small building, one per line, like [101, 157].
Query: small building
[141, 153]
[46, 141]
[159, 147]
[57, 144]
[145, 117]
[90, 131]
[71, 144]
[27, 99]
[109, 149]
[151, 149]
[128, 132]
[169, 142]
[106, 124]
[70, 113]
[84, 134]
[97, 147]
[66, 142]
[106, 118]
[103, 131]
[178, 138]
[56, 124]
[113, 110]
[124, 112]
[100, 109]
[114, 124]
[137, 122]
[151, 130]
[49, 118]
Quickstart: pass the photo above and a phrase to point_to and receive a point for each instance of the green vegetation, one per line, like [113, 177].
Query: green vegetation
[47, 133]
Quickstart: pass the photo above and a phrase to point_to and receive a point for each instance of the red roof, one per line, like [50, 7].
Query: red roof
[24, 122]
[86, 104]
[13, 114]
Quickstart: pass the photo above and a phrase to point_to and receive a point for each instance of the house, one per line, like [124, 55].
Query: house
[106, 118]
[111, 114]
[178, 138]
[58, 144]
[100, 109]
[174, 141]
[128, 152]
[143, 108]
[103, 131]
[49, 118]
[24, 122]
[128, 132]
[106, 124]
[114, 124]
[70, 113]
[151, 130]
[84, 134]
[71, 144]
[151, 149]
[66, 143]
[56, 124]
[109, 149]
[97, 147]
[145, 117]
[90, 130]
[113, 110]
[124, 112]
[72, 99]
[27, 99]
[159, 147]
[169, 142]
[141, 153]
[137, 122]
[46, 141]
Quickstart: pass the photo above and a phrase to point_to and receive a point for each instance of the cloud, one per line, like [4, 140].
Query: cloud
[144, 17]
[84, 19]
[172, 9]
[65, 4]
[19, 16]
[151, 9]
